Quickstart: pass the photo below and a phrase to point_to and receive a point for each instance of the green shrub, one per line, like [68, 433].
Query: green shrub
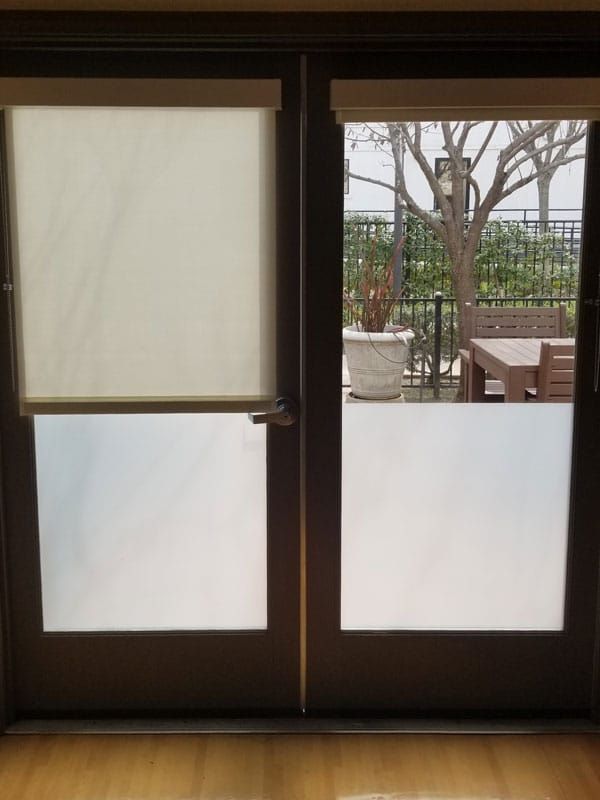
[512, 260]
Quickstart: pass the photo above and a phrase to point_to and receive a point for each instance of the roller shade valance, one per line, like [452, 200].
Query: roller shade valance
[144, 257]
[141, 92]
[475, 99]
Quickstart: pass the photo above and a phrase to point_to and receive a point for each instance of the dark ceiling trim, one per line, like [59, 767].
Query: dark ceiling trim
[180, 31]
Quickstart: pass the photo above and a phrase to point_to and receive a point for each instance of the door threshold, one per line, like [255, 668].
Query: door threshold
[301, 725]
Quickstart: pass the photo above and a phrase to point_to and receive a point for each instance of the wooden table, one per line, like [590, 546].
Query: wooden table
[515, 362]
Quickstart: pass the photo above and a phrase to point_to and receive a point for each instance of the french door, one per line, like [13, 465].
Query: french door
[456, 570]
[152, 530]
[166, 555]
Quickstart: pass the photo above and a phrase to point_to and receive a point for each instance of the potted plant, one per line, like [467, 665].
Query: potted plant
[376, 350]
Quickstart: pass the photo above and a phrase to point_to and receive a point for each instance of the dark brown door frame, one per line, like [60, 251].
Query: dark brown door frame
[214, 672]
[374, 673]
[45, 43]
[5, 670]
[586, 455]
[5, 694]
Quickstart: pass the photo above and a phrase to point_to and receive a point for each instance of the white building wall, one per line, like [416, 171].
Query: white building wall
[566, 191]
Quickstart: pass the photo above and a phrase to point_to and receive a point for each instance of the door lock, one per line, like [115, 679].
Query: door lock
[284, 413]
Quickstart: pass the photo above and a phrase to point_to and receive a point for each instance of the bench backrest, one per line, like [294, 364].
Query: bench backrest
[555, 376]
[505, 322]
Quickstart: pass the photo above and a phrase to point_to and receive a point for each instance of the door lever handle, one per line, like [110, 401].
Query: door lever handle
[284, 413]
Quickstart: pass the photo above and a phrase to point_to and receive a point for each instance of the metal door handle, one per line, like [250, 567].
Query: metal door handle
[284, 413]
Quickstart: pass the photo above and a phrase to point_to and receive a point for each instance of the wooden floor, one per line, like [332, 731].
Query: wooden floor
[294, 767]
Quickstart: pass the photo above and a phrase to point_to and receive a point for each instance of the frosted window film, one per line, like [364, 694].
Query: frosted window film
[455, 516]
[152, 521]
[144, 246]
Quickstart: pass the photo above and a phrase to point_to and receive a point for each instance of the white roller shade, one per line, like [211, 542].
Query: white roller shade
[418, 100]
[144, 255]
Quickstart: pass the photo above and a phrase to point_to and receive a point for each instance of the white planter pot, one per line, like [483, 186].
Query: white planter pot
[376, 362]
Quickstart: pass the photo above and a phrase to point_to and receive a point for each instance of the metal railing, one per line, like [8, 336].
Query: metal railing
[512, 214]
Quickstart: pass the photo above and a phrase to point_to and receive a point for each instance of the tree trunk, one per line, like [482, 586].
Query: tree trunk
[463, 285]
[462, 249]
[543, 186]
[464, 292]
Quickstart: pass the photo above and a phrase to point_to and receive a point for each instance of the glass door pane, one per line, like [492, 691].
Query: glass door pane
[467, 478]
[470, 527]
[152, 522]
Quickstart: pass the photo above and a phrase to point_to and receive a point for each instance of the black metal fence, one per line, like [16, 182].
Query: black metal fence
[514, 258]
[520, 262]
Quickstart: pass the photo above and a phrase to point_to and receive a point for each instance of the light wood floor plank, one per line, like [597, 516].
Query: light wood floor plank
[300, 767]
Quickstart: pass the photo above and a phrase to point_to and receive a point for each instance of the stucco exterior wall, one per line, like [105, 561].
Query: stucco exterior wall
[566, 190]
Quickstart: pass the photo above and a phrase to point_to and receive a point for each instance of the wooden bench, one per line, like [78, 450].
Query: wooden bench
[504, 322]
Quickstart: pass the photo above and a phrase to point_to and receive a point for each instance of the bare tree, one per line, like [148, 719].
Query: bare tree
[530, 154]
[570, 133]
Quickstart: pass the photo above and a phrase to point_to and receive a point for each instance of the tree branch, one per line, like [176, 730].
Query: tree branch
[560, 143]
[434, 223]
[534, 175]
[521, 141]
[457, 173]
[375, 181]
[410, 202]
[476, 190]
[417, 154]
[464, 134]
[483, 147]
